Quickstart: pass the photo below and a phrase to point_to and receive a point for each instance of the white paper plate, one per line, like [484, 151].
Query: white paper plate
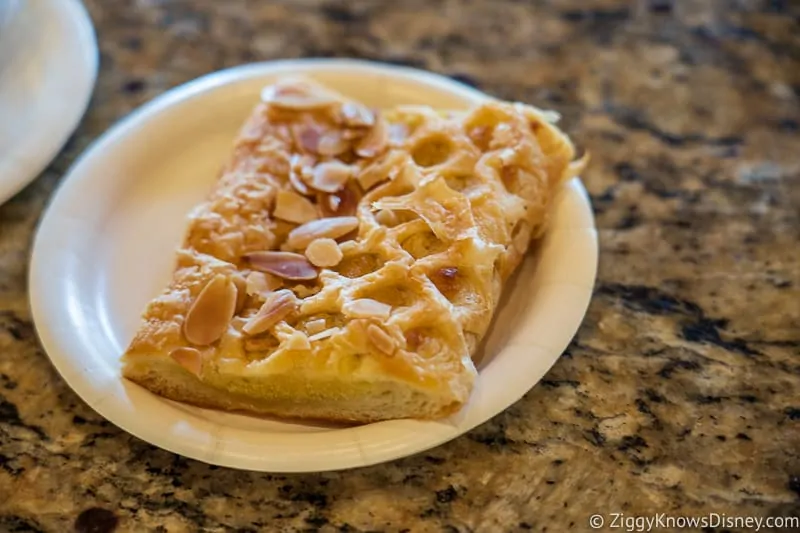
[105, 247]
[48, 67]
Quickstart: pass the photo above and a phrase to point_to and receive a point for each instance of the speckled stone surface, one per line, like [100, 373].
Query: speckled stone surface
[679, 395]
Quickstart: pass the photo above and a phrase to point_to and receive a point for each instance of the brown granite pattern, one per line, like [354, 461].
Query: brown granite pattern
[679, 394]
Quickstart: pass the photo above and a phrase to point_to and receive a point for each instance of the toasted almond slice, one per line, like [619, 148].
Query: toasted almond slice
[300, 161]
[229, 242]
[324, 253]
[211, 312]
[307, 173]
[323, 334]
[189, 358]
[262, 283]
[381, 170]
[292, 207]
[241, 291]
[295, 96]
[375, 142]
[332, 143]
[298, 184]
[367, 308]
[356, 115]
[331, 228]
[343, 203]
[306, 137]
[278, 306]
[398, 133]
[315, 326]
[331, 176]
[381, 340]
[285, 265]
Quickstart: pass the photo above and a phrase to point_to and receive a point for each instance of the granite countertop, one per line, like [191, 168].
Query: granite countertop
[679, 394]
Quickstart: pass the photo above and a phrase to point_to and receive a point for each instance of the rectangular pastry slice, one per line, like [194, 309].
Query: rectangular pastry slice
[347, 262]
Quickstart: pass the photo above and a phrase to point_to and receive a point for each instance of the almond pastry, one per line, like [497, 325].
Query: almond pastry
[348, 262]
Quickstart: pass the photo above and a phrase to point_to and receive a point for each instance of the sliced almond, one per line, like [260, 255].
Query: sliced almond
[299, 162]
[382, 170]
[343, 203]
[229, 242]
[381, 340]
[301, 169]
[331, 176]
[307, 137]
[367, 308]
[298, 184]
[241, 291]
[375, 142]
[398, 133]
[292, 207]
[356, 115]
[295, 96]
[189, 358]
[315, 326]
[306, 173]
[330, 228]
[371, 177]
[324, 253]
[262, 283]
[211, 312]
[285, 265]
[323, 334]
[332, 143]
[278, 306]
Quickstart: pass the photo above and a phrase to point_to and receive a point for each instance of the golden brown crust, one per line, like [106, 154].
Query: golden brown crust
[446, 208]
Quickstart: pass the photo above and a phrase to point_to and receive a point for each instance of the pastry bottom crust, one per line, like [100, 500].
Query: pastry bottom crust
[290, 396]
